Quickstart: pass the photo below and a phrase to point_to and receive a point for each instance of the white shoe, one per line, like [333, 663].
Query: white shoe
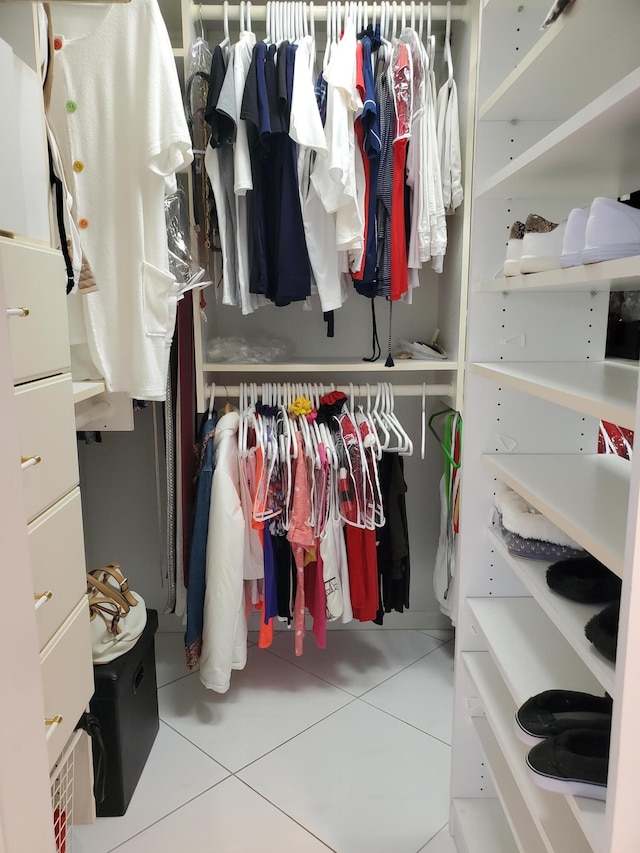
[514, 249]
[613, 231]
[574, 237]
[542, 245]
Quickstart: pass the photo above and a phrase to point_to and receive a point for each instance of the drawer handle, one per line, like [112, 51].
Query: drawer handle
[29, 461]
[41, 598]
[52, 724]
[17, 312]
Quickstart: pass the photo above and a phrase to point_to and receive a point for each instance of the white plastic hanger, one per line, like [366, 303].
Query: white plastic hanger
[395, 442]
[212, 398]
[407, 448]
[447, 46]
[394, 32]
[225, 24]
[248, 21]
[242, 2]
[403, 16]
[242, 407]
[379, 420]
[329, 22]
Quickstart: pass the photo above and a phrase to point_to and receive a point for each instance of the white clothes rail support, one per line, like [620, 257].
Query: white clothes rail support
[215, 12]
[360, 389]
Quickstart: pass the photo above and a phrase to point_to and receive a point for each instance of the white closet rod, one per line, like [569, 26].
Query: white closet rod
[211, 12]
[359, 389]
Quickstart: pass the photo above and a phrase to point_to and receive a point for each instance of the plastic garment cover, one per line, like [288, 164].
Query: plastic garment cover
[181, 264]
[198, 66]
[401, 71]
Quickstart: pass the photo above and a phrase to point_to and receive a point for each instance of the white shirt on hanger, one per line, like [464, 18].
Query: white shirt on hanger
[319, 226]
[224, 634]
[335, 178]
[118, 115]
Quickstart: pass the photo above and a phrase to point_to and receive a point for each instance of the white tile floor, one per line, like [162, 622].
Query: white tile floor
[345, 749]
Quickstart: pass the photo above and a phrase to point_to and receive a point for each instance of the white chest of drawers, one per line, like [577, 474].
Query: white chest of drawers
[34, 284]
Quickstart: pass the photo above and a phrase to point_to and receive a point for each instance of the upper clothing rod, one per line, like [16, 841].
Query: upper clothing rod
[215, 12]
[358, 388]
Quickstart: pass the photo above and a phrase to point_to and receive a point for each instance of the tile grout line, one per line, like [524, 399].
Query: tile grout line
[425, 845]
[179, 678]
[282, 811]
[406, 722]
[199, 748]
[293, 737]
[312, 674]
[389, 677]
[360, 695]
[160, 819]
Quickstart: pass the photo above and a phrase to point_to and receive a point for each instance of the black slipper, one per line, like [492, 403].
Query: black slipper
[602, 630]
[575, 763]
[584, 579]
[554, 711]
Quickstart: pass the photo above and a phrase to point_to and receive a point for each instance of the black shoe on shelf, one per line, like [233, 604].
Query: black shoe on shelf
[555, 711]
[575, 763]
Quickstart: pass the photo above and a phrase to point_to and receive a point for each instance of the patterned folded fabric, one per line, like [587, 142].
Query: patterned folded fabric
[536, 549]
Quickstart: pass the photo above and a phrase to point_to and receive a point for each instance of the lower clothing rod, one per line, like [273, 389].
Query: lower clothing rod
[359, 389]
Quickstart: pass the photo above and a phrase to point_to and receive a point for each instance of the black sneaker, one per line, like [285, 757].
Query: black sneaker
[555, 711]
[575, 763]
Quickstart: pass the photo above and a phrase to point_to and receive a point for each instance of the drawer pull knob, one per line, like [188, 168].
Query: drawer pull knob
[17, 312]
[41, 598]
[52, 724]
[29, 461]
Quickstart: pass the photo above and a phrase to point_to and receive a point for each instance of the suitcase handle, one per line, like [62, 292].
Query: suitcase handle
[137, 678]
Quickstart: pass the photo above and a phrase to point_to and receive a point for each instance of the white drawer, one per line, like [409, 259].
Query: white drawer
[35, 280]
[67, 677]
[47, 431]
[56, 546]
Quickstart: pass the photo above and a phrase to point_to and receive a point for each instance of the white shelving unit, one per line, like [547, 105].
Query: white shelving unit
[593, 152]
[533, 91]
[324, 365]
[560, 128]
[621, 274]
[569, 617]
[527, 648]
[86, 390]
[604, 390]
[555, 820]
[486, 829]
[584, 495]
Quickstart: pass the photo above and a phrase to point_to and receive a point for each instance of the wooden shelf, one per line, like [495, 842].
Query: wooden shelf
[483, 826]
[555, 823]
[529, 651]
[569, 617]
[593, 153]
[86, 390]
[621, 274]
[583, 494]
[573, 61]
[599, 389]
[338, 366]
